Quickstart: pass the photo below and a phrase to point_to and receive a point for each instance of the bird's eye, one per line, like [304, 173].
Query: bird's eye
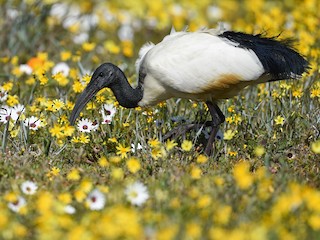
[101, 74]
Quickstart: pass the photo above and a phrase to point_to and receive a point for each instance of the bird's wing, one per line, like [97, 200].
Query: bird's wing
[200, 62]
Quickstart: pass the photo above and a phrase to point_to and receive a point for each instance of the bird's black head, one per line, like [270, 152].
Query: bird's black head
[104, 76]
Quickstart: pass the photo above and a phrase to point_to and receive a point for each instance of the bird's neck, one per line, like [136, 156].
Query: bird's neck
[126, 95]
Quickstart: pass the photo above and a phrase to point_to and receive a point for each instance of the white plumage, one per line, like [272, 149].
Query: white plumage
[193, 65]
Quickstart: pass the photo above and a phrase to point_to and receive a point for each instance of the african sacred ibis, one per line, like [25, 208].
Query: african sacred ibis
[206, 65]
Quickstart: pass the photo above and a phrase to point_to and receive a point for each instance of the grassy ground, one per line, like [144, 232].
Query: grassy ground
[58, 182]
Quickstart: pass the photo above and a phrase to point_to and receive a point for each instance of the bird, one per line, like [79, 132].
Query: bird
[207, 65]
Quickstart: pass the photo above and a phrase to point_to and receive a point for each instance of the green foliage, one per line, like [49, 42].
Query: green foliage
[261, 183]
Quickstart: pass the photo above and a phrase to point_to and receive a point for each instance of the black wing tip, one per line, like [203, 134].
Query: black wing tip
[279, 57]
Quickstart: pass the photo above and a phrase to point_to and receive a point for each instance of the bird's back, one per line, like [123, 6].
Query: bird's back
[207, 65]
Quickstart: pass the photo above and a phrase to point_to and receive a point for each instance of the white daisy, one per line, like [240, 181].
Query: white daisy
[134, 147]
[96, 200]
[214, 12]
[126, 33]
[17, 205]
[69, 209]
[25, 68]
[81, 38]
[61, 67]
[3, 95]
[59, 10]
[108, 110]
[107, 119]
[95, 125]
[5, 114]
[137, 193]
[85, 125]
[17, 110]
[32, 122]
[29, 187]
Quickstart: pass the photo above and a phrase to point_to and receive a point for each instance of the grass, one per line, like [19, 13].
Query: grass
[261, 183]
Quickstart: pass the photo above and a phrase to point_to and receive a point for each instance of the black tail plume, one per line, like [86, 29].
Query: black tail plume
[278, 57]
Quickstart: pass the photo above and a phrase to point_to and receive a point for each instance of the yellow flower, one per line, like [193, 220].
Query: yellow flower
[237, 119]
[112, 47]
[133, 165]
[314, 222]
[297, 93]
[279, 120]
[44, 202]
[30, 81]
[229, 134]
[115, 159]
[81, 139]
[84, 138]
[19, 230]
[79, 195]
[193, 231]
[12, 100]
[65, 55]
[101, 99]
[229, 120]
[68, 105]
[113, 140]
[156, 153]
[14, 133]
[103, 162]
[195, 172]
[219, 181]
[68, 130]
[231, 109]
[186, 145]
[259, 151]
[117, 173]
[61, 79]
[55, 171]
[86, 185]
[7, 86]
[74, 174]
[315, 93]
[86, 78]
[11, 197]
[243, 177]
[223, 214]
[57, 104]
[202, 158]
[127, 48]
[204, 201]
[170, 144]
[57, 131]
[88, 46]
[43, 79]
[315, 147]
[169, 232]
[232, 153]
[154, 143]
[65, 198]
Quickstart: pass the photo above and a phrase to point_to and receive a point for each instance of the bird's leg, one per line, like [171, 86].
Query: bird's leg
[217, 119]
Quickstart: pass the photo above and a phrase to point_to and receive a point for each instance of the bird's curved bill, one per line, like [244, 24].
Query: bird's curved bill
[87, 94]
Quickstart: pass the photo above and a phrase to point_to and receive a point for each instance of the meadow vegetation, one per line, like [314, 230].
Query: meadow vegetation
[112, 176]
